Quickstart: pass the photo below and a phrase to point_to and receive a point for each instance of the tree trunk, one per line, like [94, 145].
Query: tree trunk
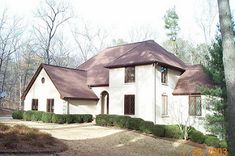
[229, 69]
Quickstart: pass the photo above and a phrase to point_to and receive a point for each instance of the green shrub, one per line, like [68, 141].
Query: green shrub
[18, 114]
[134, 123]
[121, 121]
[47, 117]
[197, 136]
[70, 118]
[101, 119]
[58, 118]
[223, 144]
[173, 131]
[78, 118]
[27, 115]
[212, 141]
[37, 116]
[146, 126]
[87, 117]
[158, 130]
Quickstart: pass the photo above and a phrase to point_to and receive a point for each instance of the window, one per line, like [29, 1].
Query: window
[164, 105]
[164, 72]
[34, 104]
[129, 74]
[43, 80]
[129, 104]
[195, 106]
[50, 105]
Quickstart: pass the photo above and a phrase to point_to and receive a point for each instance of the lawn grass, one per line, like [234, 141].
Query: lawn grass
[22, 139]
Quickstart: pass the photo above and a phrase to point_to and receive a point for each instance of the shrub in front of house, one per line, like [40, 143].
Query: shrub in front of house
[18, 114]
[102, 119]
[27, 116]
[47, 117]
[173, 131]
[37, 116]
[58, 118]
[87, 117]
[211, 140]
[146, 126]
[69, 118]
[120, 121]
[223, 144]
[196, 136]
[134, 123]
[78, 118]
[158, 130]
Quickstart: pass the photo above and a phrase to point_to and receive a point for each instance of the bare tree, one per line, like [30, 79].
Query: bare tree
[142, 33]
[205, 17]
[89, 41]
[229, 68]
[53, 14]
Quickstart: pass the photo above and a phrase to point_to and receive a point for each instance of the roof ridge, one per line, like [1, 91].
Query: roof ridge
[44, 64]
[125, 44]
[128, 51]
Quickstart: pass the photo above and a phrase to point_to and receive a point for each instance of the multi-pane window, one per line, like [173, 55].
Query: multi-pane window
[164, 72]
[164, 105]
[129, 104]
[129, 74]
[34, 104]
[195, 108]
[50, 105]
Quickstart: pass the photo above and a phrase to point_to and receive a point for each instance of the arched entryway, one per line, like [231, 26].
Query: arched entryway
[104, 102]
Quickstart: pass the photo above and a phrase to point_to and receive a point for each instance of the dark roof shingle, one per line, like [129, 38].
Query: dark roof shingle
[70, 83]
[191, 81]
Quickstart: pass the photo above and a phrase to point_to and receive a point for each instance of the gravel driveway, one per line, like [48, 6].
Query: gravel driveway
[88, 140]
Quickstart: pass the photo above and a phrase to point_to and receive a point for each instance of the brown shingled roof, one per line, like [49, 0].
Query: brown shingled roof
[191, 80]
[148, 52]
[70, 83]
[139, 53]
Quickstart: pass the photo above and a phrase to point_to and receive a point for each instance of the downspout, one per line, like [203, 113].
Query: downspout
[68, 106]
[154, 93]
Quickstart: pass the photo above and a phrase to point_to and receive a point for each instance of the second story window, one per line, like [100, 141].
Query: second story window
[164, 72]
[129, 74]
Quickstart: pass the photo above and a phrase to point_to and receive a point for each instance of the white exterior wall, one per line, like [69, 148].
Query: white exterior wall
[42, 92]
[142, 88]
[47, 90]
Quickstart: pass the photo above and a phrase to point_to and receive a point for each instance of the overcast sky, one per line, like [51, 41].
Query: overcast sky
[119, 16]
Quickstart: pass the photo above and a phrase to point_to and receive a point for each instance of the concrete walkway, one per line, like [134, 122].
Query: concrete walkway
[66, 131]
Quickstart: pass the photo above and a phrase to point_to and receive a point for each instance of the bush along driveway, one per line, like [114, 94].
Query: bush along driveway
[118, 135]
[167, 131]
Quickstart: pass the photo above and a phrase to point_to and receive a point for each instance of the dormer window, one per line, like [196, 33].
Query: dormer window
[129, 74]
[164, 72]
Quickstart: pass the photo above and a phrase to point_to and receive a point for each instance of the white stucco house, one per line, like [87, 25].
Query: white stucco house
[138, 79]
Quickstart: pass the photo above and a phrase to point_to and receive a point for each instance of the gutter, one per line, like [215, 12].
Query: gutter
[154, 92]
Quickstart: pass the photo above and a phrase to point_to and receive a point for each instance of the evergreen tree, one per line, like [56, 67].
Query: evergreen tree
[215, 122]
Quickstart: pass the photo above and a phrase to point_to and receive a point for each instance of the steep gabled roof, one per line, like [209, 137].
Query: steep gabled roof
[70, 83]
[191, 81]
[139, 53]
[148, 52]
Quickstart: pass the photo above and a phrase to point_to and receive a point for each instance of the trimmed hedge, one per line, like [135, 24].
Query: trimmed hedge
[212, 141]
[173, 131]
[58, 118]
[27, 116]
[146, 126]
[47, 117]
[18, 114]
[134, 123]
[158, 130]
[37, 115]
[51, 117]
[197, 136]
